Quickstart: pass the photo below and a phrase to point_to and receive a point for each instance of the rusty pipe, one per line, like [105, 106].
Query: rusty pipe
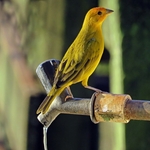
[101, 107]
[137, 110]
[120, 108]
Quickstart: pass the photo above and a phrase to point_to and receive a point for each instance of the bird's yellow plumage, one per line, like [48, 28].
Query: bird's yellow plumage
[81, 58]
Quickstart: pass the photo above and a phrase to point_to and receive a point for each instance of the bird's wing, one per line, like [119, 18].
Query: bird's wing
[72, 68]
[66, 72]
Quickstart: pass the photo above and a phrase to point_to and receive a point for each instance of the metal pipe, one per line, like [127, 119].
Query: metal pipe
[110, 107]
[100, 107]
[137, 110]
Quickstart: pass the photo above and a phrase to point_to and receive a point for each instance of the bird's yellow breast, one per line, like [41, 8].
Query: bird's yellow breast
[91, 50]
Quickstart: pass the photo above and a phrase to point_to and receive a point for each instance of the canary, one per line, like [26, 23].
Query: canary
[81, 58]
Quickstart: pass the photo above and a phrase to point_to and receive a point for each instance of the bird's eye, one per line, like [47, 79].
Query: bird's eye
[99, 13]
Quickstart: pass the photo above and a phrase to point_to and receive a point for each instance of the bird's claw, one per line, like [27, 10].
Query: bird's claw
[68, 97]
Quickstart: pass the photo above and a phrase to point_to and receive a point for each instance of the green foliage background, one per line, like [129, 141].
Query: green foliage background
[135, 25]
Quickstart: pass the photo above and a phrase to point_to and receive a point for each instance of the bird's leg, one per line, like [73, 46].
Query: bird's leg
[93, 88]
[70, 94]
[98, 91]
[84, 83]
[69, 91]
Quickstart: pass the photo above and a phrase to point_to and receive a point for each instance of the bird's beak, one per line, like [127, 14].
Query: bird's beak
[108, 11]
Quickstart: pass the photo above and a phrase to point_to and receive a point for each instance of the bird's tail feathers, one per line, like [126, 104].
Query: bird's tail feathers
[42, 107]
[48, 100]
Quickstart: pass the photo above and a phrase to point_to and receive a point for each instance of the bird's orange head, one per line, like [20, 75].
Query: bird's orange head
[96, 16]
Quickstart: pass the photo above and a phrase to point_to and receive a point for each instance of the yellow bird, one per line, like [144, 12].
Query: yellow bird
[81, 58]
